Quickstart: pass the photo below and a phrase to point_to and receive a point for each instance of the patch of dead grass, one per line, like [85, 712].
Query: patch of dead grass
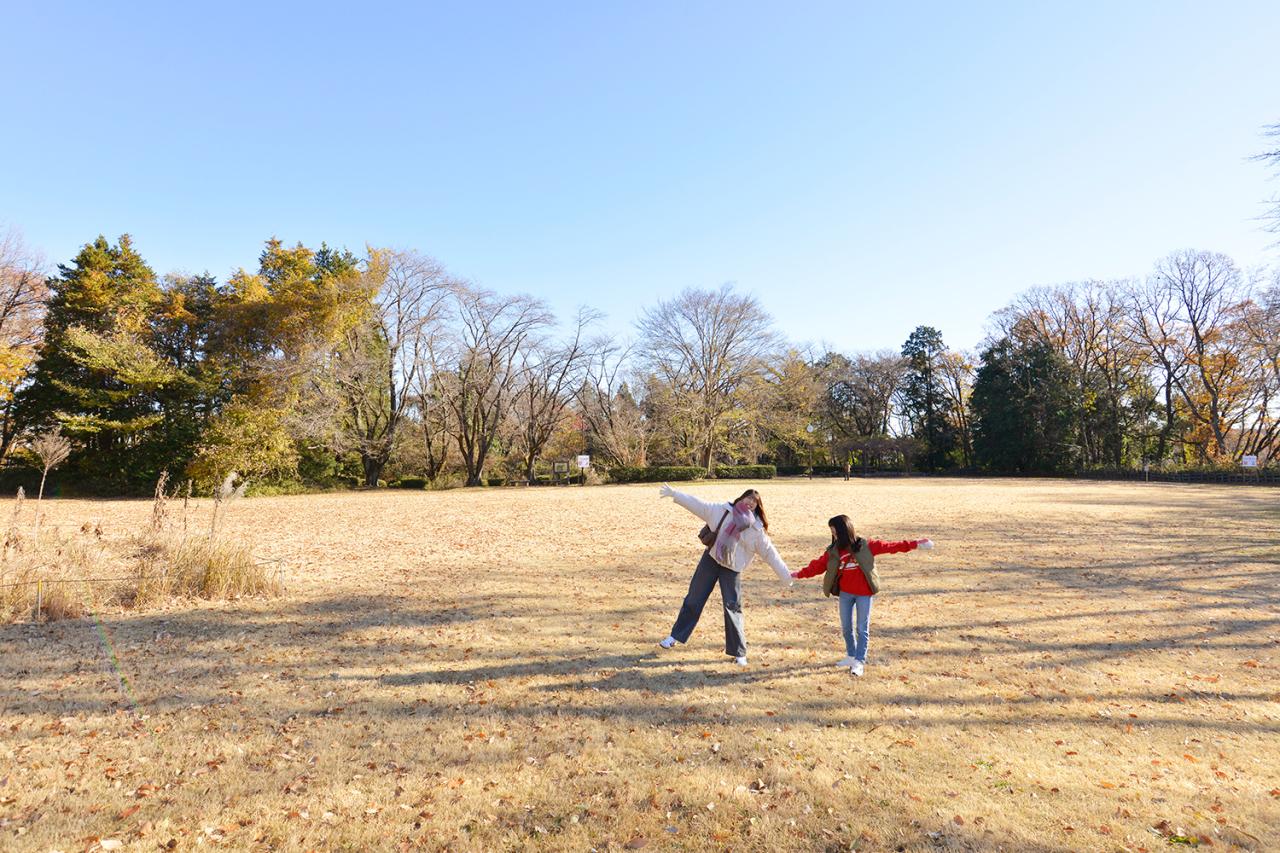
[1078, 666]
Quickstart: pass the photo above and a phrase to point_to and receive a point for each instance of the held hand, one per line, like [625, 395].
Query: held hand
[665, 491]
[925, 544]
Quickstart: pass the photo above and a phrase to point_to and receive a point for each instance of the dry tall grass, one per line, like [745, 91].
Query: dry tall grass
[47, 575]
[1078, 666]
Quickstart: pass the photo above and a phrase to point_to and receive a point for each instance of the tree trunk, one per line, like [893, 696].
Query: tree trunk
[372, 470]
[1167, 432]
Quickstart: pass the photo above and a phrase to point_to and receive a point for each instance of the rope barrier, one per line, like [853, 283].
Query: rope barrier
[105, 580]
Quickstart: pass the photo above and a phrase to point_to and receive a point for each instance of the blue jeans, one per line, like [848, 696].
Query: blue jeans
[705, 577]
[862, 603]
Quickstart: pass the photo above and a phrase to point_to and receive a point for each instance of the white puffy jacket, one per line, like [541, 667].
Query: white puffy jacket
[753, 542]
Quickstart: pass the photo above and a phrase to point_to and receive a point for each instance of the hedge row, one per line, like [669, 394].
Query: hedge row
[816, 470]
[677, 473]
[746, 472]
[409, 483]
[657, 474]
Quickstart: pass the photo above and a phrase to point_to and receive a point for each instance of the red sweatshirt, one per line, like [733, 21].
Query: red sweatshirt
[851, 578]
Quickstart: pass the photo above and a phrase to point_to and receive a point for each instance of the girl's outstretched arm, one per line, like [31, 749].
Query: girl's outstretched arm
[817, 567]
[901, 546]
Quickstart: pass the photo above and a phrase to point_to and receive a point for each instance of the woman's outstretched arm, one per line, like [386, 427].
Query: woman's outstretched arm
[770, 555]
[708, 512]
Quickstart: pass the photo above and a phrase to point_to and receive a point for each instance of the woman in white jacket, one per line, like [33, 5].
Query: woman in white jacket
[741, 535]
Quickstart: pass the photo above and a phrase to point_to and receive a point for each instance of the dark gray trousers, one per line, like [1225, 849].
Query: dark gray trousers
[705, 577]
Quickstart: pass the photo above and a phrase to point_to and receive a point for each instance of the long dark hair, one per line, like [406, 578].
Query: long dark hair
[752, 493]
[846, 540]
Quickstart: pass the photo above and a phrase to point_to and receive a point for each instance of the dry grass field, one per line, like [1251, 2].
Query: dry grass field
[1077, 666]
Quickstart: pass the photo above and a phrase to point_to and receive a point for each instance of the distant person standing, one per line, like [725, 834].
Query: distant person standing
[741, 534]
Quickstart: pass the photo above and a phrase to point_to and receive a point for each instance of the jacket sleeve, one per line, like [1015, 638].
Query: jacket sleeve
[770, 555]
[817, 567]
[708, 512]
[879, 547]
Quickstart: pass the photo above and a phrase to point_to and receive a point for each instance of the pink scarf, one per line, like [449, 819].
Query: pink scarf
[727, 538]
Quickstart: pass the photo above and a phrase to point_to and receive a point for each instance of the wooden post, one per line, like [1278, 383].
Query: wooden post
[39, 598]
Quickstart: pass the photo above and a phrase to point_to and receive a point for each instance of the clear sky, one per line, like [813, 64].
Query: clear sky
[862, 168]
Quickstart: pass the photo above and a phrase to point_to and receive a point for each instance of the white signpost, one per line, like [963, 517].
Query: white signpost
[1249, 462]
[584, 461]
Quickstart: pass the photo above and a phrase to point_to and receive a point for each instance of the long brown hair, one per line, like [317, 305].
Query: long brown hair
[752, 493]
[846, 540]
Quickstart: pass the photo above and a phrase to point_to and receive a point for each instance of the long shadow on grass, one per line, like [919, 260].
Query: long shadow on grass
[1203, 499]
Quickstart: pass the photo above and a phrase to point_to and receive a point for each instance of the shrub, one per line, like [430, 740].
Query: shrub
[282, 487]
[745, 472]
[445, 482]
[409, 483]
[200, 567]
[657, 474]
[253, 440]
[496, 481]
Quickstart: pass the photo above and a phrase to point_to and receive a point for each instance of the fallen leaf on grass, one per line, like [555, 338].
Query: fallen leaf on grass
[127, 812]
[636, 843]
[1106, 784]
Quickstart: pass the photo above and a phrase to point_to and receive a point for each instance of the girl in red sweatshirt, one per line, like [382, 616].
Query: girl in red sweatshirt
[855, 590]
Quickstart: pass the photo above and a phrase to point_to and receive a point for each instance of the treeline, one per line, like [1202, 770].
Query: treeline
[325, 368]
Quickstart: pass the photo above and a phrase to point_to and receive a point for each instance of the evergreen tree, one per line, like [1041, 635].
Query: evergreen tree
[98, 375]
[924, 399]
[1022, 407]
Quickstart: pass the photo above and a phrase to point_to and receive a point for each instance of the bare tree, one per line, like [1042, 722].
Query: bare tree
[860, 391]
[363, 390]
[706, 345]
[432, 415]
[1259, 339]
[617, 424]
[482, 362]
[549, 374]
[52, 448]
[1087, 322]
[957, 371]
[23, 291]
[1272, 158]
[1152, 314]
[1211, 294]
[785, 414]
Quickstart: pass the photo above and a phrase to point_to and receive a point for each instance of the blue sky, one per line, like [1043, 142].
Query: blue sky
[861, 168]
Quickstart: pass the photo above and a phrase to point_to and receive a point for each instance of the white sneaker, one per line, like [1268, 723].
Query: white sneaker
[668, 642]
[846, 661]
[741, 661]
[856, 669]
